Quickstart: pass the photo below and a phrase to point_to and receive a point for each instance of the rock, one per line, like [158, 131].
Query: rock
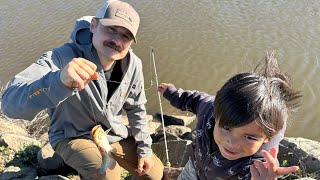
[16, 141]
[13, 172]
[171, 173]
[169, 137]
[53, 177]
[49, 160]
[189, 135]
[173, 132]
[126, 122]
[297, 151]
[51, 163]
[176, 120]
[186, 155]
[152, 124]
[177, 130]
[10, 128]
[176, 151]
[44, 138]
[187, 119]
[302, 152]
[10, 173]
[39, 125]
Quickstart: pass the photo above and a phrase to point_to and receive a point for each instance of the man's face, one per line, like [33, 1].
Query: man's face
[239, 142]
[111, 42]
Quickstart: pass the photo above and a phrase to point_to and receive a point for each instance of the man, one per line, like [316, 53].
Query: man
[88, 82]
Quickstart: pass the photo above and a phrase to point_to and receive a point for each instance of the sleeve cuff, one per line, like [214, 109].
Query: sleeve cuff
[169, 92]
[58, 90]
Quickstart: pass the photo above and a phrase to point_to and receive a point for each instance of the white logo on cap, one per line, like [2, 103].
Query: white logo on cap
[124, 15]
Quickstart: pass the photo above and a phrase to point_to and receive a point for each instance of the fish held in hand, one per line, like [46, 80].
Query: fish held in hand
[99, 137]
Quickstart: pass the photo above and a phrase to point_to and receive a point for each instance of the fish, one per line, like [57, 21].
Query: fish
[99, 137]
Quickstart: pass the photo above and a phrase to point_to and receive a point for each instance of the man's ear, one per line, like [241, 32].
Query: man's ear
[93, 24]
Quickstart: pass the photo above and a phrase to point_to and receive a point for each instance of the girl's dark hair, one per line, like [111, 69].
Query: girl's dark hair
[265, 96]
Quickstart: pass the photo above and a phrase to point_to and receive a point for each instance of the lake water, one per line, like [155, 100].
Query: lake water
[198, 44]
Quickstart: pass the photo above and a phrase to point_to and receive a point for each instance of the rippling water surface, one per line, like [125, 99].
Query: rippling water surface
[198, 44]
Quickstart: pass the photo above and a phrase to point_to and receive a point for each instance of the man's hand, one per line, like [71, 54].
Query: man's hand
[144, 165]
[163, 87]
[78, 72]
[268, 170]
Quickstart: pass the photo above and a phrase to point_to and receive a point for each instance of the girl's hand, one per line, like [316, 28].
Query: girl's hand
[163, 87]
[268, 170]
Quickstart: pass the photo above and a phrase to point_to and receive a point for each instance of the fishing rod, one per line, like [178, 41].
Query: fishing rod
[168, 164]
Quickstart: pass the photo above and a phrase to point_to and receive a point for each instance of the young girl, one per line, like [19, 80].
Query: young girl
[237, 128]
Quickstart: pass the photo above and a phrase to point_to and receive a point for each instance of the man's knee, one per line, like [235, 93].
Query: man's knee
[84, 156]
[157, 170]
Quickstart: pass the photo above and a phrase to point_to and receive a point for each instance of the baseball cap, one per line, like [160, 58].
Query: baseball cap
[118, 13]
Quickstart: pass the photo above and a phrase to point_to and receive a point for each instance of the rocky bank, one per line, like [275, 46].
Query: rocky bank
[25, 153]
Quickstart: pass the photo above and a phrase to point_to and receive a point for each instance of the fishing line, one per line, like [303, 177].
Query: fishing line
[151, 76]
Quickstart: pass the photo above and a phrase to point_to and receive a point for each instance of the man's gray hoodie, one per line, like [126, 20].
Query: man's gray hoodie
[74, 113]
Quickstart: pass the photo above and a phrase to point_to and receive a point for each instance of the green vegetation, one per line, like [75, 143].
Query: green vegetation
[300, 173]
[25, 156]
[73, 176]
[124, 173]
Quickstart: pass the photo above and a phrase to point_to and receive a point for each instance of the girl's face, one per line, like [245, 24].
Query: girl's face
[235, 143]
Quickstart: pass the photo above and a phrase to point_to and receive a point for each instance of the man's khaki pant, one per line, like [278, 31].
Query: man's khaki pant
[83, 155]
